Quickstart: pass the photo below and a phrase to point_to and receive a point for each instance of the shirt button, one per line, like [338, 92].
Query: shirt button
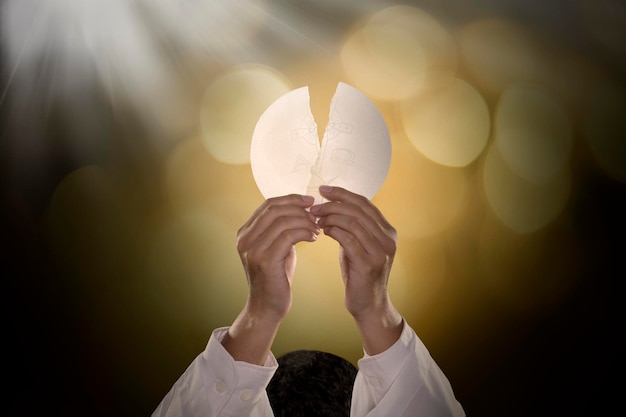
[220, 386]
[245, 395]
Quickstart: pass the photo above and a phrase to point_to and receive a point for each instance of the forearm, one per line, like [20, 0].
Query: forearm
[250, 337]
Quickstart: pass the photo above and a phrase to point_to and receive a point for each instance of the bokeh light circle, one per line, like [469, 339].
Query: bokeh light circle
[498, 52]
[449, 125]
[397, 52]
[420, 197]
[193, 179]
[533, 133]
[232, 106]
[522, 205]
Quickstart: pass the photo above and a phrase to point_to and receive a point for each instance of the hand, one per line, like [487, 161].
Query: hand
[367, 249]
[266, 247]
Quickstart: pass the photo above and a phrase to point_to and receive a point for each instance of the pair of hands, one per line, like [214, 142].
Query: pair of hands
[266, 245]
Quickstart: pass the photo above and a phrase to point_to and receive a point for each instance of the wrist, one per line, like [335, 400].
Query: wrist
[371, 307]
[384, 318]
[250, 337]
[264, 314]
[261, 319]
[380, 327]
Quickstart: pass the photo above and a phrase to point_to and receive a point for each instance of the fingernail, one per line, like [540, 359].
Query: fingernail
[326, 189]
[315, 209]
[308, 199]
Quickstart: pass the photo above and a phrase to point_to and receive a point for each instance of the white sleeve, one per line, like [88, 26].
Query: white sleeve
[215, 385]
[403, 381]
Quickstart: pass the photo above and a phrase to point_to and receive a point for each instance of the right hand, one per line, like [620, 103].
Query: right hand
[266, 247]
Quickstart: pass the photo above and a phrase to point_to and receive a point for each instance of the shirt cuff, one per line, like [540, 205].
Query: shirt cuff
[381, 370]
[237, 385]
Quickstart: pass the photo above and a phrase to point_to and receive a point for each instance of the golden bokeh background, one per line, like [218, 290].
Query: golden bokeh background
[126, 128]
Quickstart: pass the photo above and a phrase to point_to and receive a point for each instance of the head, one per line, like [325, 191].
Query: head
[311, 383]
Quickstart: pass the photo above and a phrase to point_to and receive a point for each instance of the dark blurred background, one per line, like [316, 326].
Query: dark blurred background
[125, 130]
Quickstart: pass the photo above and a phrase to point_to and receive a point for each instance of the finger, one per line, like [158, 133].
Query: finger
[279, 216]
[342, 195]
[285, 228]
[335, 209]
[303, 201]
[354, 227]
[273, 251]
[282, 245]
[350, 243]
[343, 214]
[272, 209]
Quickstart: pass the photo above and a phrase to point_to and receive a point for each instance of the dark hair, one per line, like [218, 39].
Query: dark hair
[311, 383]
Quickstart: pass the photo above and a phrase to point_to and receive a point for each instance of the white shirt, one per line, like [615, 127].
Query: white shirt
[403, 381]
